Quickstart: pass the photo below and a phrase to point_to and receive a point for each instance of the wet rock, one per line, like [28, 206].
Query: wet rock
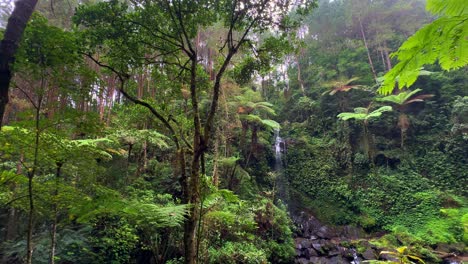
[318, 248]
[344, 251]
[452, 248]
[334, 252]
[326, 232]
[323, 232]
[329, 246]
[310, 252]
[302, 261]
[453, 260]
[299, 253]
[388, 257]
[337, 260]
[314, 260]
[302, 243]
[369, 254]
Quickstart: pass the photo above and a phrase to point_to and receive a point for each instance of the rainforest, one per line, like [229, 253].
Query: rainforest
[233, 131]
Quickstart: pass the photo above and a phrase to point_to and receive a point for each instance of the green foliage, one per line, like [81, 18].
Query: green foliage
[403, 256]
[460, 117]
[113, 239]
[450, 8]
[267, 123]
[44, 45]
[443, 40]
[236, 253]
[361, 113]
[399, 99]
[110, 202]
[73, 245]
[240, 231]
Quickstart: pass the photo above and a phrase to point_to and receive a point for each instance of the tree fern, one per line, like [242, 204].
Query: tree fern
[400, 98]
[110, 202]
[257, 120]
[361, 113]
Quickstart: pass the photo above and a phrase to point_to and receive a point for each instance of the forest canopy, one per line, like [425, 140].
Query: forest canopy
[237, 131]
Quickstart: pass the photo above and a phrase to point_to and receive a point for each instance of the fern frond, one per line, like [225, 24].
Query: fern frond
[361, 113]
[447, 7]
[444, 40]
[400, 98]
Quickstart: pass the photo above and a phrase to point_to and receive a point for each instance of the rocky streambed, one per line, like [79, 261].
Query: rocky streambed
[321, 244]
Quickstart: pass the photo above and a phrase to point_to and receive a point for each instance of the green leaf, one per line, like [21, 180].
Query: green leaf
[444, 40]
[400, 98]
[361, 113]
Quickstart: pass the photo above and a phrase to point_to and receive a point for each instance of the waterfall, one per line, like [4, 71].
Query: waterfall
[355, 257]
[281, 181]
[279, 144]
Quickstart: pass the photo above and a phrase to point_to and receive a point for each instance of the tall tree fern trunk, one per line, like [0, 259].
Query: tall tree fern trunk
[403, 124]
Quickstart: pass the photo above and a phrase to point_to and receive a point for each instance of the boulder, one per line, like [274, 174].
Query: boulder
[302, 243]
[389, 257]
[310, 252]
[318, 248]
[335, 251]
[337, 260]
[323, 232]
[369, 254]
[299, 253]
[314, 260]
[302, 261]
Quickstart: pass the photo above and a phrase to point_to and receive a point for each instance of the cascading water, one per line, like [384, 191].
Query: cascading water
[355, 257]
[278, 149]
[281, 181]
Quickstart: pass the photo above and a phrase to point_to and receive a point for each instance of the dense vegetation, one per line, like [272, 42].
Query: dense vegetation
[128, 140]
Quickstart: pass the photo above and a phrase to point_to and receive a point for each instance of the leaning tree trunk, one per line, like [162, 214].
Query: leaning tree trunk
[387, 57]
[8, 46]
[367, 49]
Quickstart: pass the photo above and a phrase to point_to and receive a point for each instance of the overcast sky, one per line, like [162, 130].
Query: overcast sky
[6, 6]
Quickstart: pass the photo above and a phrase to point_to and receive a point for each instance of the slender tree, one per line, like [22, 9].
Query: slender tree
[131, 34]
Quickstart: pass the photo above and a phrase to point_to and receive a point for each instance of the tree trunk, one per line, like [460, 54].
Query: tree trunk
[367, 49]
[387, 57]
[243, 138]
[193, 191]
[299, 76]
[403, 124]
[383, 59]
[13, 33]
[215, 162]
[253, 144]
[55, 209]
[367, 141]
[31, 175]
[12, 222]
